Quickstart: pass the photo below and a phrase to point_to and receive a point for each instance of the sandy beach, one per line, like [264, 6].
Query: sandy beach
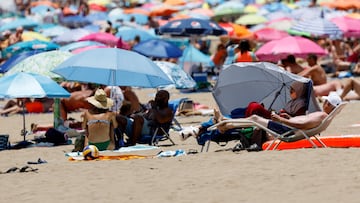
[220, 175]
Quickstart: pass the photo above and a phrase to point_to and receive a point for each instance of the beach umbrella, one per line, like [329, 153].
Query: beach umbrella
[241, 83]
[283, 24]
[279, 49]
[235, 30]
[268, 34]
[30, 45]
[129, 33]
[191, 27]
[157, 48]
[82, 49]
[20, 22]
[8, 6]
[74, 21]
[112, 66]
[17, 58]
[29, 85]
[41, 63]
[318, 27]
[181, 79]
[251, 19]
[54, 31]
[229, 8]
[76, 45]
[102, 37]
[349, 26]
[71, 36]
[41, 9]
[31, 35]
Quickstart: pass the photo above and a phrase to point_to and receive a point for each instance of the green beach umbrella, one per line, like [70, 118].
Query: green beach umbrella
[41, 64]
[251, 19]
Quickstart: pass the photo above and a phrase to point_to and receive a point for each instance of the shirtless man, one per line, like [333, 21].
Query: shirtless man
[129, 95]
[315, 72]
[303, 122]
[76, 101]
[291, 65]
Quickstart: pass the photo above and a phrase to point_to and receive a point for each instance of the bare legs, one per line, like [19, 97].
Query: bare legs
[351, 84]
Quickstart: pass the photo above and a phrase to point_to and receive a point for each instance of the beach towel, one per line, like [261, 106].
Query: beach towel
[109, 157]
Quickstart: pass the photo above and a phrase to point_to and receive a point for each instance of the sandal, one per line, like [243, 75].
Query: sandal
[39, 161]
[10, 170]
[26, 169]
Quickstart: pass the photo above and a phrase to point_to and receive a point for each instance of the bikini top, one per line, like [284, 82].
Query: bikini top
[98, 121]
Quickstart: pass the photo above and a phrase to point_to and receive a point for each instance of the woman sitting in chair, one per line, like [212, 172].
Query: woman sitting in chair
[99, 123]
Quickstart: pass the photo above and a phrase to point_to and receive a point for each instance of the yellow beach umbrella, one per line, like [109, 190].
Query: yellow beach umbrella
[100, 2]
[30, 35]
[251, 9]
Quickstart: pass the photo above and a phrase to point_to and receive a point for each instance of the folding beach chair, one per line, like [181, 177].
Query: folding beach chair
[291, 136]
[160, 132]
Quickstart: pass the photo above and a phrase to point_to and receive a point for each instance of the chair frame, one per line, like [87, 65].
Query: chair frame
[293, 135]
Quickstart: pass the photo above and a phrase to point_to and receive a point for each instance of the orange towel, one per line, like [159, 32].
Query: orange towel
[112, 157]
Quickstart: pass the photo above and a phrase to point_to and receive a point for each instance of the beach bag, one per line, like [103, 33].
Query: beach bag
[56, 137]
[4, 142]
[186, 106]
[79, 143]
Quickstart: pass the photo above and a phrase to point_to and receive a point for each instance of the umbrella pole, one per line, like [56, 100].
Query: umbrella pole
[23, 132]
[276, 96]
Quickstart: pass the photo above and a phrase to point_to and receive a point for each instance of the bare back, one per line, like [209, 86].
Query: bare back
[316, 73]
[99, 127]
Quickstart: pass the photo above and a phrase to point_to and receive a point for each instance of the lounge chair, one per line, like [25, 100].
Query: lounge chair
[290, 136]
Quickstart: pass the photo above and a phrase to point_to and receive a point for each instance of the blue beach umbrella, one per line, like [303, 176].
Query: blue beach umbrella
[129, 33]
[191, 26]
[54, 31]
[15, 59]
[193, 55]
[157, 48]
[71, 36]
[30, 85]
[30, 45]
[75, 21]
[41, 9]
[21, 22]
[112, 66]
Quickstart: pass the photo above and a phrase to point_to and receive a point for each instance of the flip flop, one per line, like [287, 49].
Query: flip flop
[39, 161]
[26, 169]
[10, 170]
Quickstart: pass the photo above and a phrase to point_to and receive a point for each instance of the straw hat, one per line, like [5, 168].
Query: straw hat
[100, 100]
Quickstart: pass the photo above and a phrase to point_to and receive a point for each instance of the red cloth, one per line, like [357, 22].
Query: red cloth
[258, 109]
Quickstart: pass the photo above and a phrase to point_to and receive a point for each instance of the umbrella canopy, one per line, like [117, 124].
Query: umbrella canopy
[191, 26]
[30, 85]
[15, 59]
[157, 48]
[268, 34]
[41, 63]
[71, 36]
[350, 26]
[318, 27]
[236, 31]
[112, 66]
[30, 45]
[229, 8]
[21, 22]
[129, 33]
[76, 45]
[251, 19]
[279, 49]
[242, 83]
[102, 37]
[181, 79]
[30, 35]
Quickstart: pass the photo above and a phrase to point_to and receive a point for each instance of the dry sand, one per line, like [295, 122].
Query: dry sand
[220, 175]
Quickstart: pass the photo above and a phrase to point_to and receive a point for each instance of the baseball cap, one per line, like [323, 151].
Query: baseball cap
[333, 98]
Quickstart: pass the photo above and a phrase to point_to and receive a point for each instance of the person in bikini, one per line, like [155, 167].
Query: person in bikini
[99, 123]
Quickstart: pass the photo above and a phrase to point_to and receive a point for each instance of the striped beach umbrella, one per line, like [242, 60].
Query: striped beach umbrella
[319, 27]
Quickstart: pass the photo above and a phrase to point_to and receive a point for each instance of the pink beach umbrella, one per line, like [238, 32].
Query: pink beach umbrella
[268, 34]
[81, 49]
[101, 37]
[350, 26]
[298, 46]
